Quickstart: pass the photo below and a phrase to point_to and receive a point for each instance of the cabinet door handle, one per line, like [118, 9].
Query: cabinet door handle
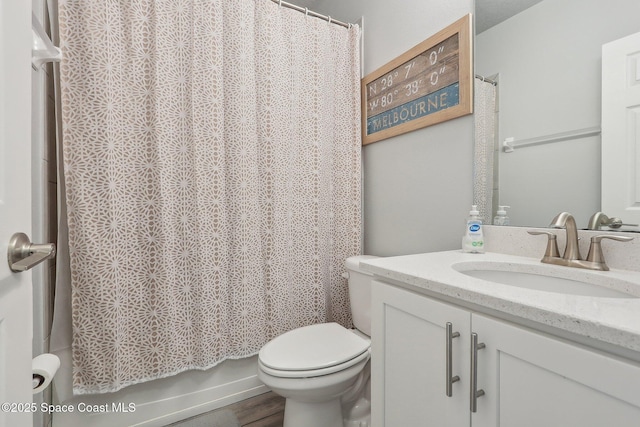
[475, 393]
[449, 356]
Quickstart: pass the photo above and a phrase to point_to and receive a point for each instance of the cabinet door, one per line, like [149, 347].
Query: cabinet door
[532, 380]
[409, 364]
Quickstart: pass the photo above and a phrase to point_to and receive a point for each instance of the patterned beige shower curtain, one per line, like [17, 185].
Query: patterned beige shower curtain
[485, 167]
[212, 164]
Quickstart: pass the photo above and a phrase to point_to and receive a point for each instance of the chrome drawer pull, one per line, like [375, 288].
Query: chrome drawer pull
[449, 356]
[475, 393]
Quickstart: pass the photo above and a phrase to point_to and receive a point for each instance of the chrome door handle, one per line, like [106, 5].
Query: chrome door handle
[22, 254]
[475, 393]
[450, 335]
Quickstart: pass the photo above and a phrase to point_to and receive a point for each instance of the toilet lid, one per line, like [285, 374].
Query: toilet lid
[312, 347]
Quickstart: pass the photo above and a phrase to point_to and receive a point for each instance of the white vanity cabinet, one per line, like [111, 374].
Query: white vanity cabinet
[408, 360]
[528, 378]
[533, 379]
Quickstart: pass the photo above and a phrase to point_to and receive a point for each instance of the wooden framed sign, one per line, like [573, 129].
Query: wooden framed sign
[429, 84]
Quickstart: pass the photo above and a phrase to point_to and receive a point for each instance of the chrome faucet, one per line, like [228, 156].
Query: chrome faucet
[571, 256]
[565, 220]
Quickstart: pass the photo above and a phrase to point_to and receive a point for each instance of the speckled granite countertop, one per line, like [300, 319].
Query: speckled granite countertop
[614, 321]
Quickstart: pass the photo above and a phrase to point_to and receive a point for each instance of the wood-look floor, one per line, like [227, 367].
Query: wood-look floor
[265, 410]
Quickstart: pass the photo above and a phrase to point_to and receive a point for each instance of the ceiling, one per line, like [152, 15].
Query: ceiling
[488, 12]
[493, 12]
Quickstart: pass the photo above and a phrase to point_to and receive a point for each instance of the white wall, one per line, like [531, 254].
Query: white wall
[549, 63]
[417, 186]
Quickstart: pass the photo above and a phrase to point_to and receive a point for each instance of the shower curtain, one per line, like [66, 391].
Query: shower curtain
[212, 170]
[485, 154]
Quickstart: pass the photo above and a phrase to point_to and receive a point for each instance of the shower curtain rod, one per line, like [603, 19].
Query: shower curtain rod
[306, 11]
[485, 79]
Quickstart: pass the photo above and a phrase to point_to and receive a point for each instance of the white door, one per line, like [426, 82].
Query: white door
[621, 129]
[15, 210]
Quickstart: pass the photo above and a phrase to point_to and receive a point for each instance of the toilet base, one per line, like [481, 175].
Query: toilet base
[318, 414]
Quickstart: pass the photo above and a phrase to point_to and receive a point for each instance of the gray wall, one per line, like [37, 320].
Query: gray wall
[549, 63]
[417, 186]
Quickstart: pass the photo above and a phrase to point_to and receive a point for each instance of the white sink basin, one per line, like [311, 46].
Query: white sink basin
[594, 285]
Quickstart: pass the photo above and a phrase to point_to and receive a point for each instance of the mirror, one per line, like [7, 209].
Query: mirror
[546, 58]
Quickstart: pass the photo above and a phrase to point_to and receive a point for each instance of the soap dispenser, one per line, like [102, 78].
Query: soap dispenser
[501, 217]
[473, 239]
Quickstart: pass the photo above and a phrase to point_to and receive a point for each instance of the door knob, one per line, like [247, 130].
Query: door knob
[22, 254]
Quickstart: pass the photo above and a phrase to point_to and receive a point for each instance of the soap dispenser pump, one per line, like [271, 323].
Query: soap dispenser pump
[501, 217]
[473, 239]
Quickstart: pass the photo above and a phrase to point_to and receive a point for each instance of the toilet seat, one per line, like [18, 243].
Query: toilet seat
[313, 351]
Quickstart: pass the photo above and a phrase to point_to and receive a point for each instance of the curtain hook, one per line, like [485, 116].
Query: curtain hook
[349, 27]
[306, 11]
[329, 20]
[280, 3]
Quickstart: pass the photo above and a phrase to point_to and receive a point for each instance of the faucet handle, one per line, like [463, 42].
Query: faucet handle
[552, 244]
[595, 249]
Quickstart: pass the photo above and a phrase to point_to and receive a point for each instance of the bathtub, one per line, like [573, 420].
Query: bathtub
[159, 402]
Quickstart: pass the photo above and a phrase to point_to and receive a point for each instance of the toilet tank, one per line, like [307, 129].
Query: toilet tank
[360, 293]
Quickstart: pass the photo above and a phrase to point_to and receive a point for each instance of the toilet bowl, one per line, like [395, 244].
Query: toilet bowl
[313, 367]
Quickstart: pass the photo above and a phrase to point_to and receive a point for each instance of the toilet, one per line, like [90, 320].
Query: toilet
[323, 370]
